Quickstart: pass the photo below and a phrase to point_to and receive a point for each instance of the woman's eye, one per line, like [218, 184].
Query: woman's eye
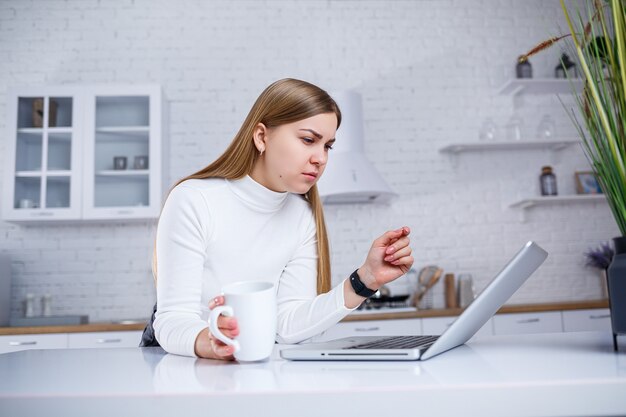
[308, 140]
[329, 147]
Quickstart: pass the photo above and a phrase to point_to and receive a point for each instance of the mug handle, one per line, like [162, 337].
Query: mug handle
[215, 313]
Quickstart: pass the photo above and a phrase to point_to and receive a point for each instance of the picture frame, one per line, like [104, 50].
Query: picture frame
[587, 183]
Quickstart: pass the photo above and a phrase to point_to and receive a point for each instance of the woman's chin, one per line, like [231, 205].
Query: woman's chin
[301, 188]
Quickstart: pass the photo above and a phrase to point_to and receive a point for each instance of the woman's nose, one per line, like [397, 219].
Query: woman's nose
[319, 158]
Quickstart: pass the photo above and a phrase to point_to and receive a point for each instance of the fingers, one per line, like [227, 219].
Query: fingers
[405, 262]
[399, 254]
[221, 349]
[393, 235]
[229, 328]
[217, 301]
[397, 245]
[227, 325]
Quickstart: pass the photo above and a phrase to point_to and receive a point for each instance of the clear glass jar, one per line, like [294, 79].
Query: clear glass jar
[546, 128]
[488, 130]
[514, 128]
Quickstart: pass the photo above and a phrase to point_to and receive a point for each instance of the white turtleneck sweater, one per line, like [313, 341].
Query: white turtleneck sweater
[214, 232]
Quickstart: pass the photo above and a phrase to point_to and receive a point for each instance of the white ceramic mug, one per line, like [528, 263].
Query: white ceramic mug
[253, 304]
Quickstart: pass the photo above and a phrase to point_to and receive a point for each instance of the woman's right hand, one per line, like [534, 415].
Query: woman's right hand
[210, 347]
[389, 258]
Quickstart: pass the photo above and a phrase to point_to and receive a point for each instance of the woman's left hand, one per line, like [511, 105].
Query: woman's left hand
[388, 259]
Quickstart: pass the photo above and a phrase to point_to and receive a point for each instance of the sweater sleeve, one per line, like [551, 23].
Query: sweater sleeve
[182, 237]
[301, 313]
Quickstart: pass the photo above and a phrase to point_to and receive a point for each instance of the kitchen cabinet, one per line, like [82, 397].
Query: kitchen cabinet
[84, 153]
[404, 327]
[438, 325]
[502, 323]
[14, 343]
[104, 339]
[587, 320]
[525, 323]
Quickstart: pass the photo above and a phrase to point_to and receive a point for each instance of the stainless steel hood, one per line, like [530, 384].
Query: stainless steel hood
[349, 176]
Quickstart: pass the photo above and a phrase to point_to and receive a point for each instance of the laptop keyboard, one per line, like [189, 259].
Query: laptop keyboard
[398, 342]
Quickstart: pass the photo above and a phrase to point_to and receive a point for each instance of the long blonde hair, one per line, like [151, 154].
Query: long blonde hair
[284, 101]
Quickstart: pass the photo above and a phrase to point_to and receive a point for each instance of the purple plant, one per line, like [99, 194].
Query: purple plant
[600, 257]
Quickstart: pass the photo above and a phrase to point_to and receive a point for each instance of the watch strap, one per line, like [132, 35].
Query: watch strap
[359, 287]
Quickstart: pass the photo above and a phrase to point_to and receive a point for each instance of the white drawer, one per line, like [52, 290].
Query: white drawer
[520, 323]
[587, 320]
[412, 327]
[13, 343]
[438, 325]
[104, 339]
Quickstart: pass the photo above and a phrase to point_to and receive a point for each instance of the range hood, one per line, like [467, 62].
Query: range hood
[349, 176]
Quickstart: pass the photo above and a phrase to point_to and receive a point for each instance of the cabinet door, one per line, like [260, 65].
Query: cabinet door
[587, 320]
[104, 339]
[520, 323]
[411, 327]
[123, 153]
[438, 325]
[14, 343]
[43, 162]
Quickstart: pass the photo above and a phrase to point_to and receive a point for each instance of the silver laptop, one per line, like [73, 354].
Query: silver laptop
[411, 348]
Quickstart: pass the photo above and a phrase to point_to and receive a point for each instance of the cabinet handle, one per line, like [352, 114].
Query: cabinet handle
[534, 320]
[366, 329]
[108, 340]
[599, 316]
[31, 342]
[42, 214]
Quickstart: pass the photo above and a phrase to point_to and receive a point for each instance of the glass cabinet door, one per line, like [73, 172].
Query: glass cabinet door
[84, 152]
[43, 169]
[121, 152]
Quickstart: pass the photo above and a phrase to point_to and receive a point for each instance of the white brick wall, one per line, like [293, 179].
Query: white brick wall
[428, 71]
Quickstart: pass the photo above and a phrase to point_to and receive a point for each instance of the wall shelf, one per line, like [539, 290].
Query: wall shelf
[547, 200]
[528, 203]
[508, 146]
[540, 86]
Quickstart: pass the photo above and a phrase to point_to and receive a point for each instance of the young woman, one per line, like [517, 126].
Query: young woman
[255, 214]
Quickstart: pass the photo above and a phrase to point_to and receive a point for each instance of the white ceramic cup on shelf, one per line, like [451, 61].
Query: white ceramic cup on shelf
[253, 304]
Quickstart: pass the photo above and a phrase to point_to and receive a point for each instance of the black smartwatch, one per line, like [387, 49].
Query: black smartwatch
[359, 287]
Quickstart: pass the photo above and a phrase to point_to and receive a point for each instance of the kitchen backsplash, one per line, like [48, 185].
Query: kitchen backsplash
[429, 73]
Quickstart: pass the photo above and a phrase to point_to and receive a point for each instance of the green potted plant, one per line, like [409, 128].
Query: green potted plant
[600, 46]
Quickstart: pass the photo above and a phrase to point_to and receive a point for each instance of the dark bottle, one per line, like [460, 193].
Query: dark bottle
[565, 67]
[523, 69]
[547, 181]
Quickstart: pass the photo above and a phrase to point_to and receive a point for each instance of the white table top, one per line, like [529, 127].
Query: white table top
[531, 375]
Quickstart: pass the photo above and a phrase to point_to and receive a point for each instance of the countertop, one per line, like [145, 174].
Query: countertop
[559, 374]
[514, 308]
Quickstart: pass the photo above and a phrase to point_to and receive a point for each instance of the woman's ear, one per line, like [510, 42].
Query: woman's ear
[259, 135]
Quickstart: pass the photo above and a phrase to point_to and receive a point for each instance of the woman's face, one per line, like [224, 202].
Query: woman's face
[295, 154]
